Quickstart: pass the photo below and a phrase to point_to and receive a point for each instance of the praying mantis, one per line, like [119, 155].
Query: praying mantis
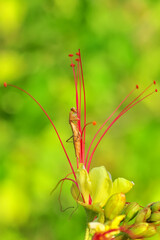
[73, 121]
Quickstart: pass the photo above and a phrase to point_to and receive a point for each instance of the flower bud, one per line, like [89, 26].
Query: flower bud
[155, 216]
[151, 231]
[131, 210]
[143, 215]
[114, 205]
[155, 206]
[138, 230]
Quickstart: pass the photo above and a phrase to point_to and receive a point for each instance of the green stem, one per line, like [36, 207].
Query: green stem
[87, 235]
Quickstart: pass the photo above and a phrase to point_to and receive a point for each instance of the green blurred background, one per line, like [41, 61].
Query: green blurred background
[119, 42]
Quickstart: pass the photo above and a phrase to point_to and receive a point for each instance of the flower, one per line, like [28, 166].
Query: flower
[90, 188]
[98, 186]
[102, 198]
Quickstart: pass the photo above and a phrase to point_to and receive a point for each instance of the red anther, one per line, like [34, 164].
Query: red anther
[77, 59]
[70, 55]
[72, 65]
[154, 82]
[77, 54]
[5, 84]
[137, 86]
[156, 90]
[94, 123]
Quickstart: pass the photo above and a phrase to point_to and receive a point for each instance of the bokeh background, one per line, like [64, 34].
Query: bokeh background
[120, 46]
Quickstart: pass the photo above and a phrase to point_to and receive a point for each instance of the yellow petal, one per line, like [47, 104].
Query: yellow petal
[98, 227]
[116, 221]
[101, 185]
[84, 182]
[121, 185]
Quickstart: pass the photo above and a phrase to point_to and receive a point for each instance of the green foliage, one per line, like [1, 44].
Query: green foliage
[119, 41]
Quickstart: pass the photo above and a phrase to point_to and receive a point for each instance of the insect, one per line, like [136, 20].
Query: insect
[73, 121]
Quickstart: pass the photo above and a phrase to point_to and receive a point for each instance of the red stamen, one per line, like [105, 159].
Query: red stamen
[119, 115]
[62, 180]
[105, 123]
[59, 197]
[93, 123]
[72, 65]
[84, 96]
[79, 110]
[156, 90]
[75, 80]
[5, 84]
[50, 122]
[70, 55]
[154, 82]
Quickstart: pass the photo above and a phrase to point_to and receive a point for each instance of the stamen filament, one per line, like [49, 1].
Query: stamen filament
[154, 82]
[94, 123]
[79, 108]
[84, 95]
[62, 180]
[105, 123]
[75, 80]
[50, 122]
[119, 115]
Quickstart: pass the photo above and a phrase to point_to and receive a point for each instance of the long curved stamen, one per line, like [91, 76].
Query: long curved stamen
[106, 122]
[79, 108]
[93, 123]
[62, 180]
[154, 82]
[121, 114]
[84, 96]
[75, 79]
[59, 197]
[137, 87]
[5, 85]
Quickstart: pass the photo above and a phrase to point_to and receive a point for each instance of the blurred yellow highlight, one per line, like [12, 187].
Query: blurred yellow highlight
[11, 15]
[15, 206]
[11, 66]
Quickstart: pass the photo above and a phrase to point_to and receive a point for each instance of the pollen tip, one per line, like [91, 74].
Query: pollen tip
[156, 90]
[94, 123]
[5, 84]
[77, 54]
[70, 55]
[77, 59]
[72, 65]
[154, 82]
[137, 86]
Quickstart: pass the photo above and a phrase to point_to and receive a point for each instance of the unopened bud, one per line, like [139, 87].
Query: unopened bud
[143, 215]
[155, 206]
[131, 211]
[114, 205]
[155, 216]
[151, 231]
[138, 230]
